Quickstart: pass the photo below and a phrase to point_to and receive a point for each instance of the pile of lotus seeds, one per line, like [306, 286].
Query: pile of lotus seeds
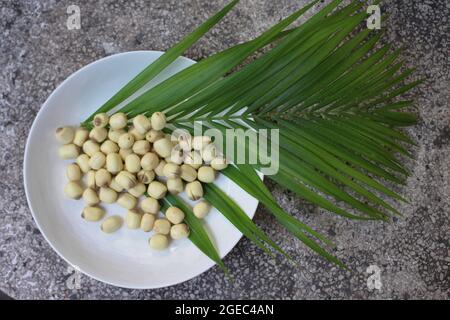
[123, 164]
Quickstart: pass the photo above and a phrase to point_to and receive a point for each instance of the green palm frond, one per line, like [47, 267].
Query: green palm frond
[332, 92]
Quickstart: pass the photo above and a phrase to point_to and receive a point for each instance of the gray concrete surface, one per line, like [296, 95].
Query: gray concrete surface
[37, 52]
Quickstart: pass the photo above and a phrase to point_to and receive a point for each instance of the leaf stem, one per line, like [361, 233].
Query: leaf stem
[211, 118]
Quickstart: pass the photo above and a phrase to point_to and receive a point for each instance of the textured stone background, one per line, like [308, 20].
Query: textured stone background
[38, 52]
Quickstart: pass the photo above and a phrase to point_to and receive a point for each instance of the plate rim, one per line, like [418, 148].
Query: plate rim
[30, 206]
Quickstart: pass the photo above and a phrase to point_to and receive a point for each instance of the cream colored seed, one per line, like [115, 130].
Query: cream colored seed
[83, 162]
[188, 173]
[219, 163]
[176, 156]
[194, 159]
[90, 179]
[146, 176]
[150, 205]
[124, 153]
[185, 142]
[158, 120]
[115, 186]
[159, 170]
[107, 195]
[126, 141]
[102, 178]
[156, 190]
[90, 147]
[100, 120]
[127, 201]
[175, 215]
[73, 190]
[142, 124]
[111, 224]
[138, 190]
[132, 163]
[149, 161]
[68, 151]
[114, 135]
[154, 135]
[175, 185]
[133, 219]
[73, 172]
[206, 174]
[64, 135]
[92, 213]
[200, 142]
[163, 147]
[179, 231]
[201, 209]
[147, 222]
[141, 147]
[168, 160]
[136, 134]
[97, 160]
[114, 163]
[81, 135]
[194, 190]
[172, 170]
[98, 134]
[109, 146]
[118, 120]
[162, 226]
[209, 153]
[126, 179]
[158, 242]
[90, 197]
[172, 139]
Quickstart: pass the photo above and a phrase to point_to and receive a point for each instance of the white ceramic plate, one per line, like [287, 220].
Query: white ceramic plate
[123, 258]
